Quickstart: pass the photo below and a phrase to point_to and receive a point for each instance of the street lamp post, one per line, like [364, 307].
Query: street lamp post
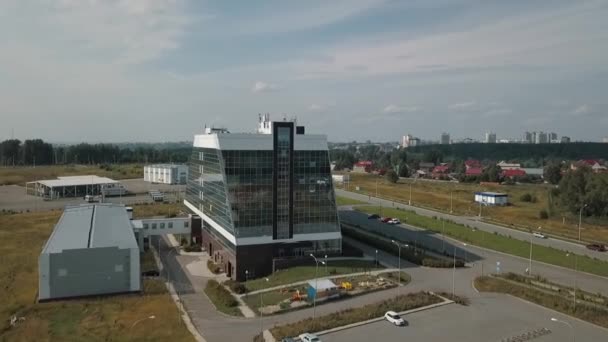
[399, 262]
[580, 220]
[376, 258]
[451, 203]
[143, 319]
[261, 312]
[454, 273]
[575, 274]
[443, 237]
[410, 201]
[314, 300]
[568, 324]
[169, 278]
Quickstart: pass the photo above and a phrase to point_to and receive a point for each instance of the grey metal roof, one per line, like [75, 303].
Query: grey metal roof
[76, 181]
[92, 226]
[322, 284]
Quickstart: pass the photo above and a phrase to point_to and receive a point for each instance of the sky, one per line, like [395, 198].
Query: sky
[160, 70]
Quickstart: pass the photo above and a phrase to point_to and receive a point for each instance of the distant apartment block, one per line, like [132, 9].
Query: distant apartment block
[166, 173]
[528, 138]
[490, 138]
[541, 137]
[445, 138]
[565, 140]
[605, 140]
[409, 140]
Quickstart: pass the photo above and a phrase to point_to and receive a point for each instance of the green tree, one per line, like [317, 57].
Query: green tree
[553, 173]
[491, 174]
[392, 176]
[398, 161]
[573, 188]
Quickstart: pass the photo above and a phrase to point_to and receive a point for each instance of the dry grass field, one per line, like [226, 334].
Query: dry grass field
[523, 215]
[92, 319]
[20, 175]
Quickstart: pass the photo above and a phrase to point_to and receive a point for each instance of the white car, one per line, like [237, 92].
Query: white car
[539, 235]
[394, 221]
[394, 318]
[309, 338]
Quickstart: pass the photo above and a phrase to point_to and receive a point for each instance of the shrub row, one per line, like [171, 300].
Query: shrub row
[219, 295]
[213, 267]
[353, 315]
[407, 254]
[235, 286]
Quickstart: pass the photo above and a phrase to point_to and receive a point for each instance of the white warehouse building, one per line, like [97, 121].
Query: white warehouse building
[491, 198]
[166, 173]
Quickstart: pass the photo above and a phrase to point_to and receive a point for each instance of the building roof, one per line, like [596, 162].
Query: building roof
[472, 163]
[441, 169]
[322, 284]
[473, 171]
[165, 166]
[76, 181]
[426, 165]
[364, 163]
[92, 226]
[257, 142]
[491, 194]
[513, 173]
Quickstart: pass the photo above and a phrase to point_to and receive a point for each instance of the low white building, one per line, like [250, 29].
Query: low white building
[166, 173]
[491, 198]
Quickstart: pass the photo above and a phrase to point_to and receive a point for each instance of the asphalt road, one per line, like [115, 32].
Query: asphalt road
[474, 222]
[491, 318]
[475, 256]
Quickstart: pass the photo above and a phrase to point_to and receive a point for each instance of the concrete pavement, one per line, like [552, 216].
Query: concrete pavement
[475, 222]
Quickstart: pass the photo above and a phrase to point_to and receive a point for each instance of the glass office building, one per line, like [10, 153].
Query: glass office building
[263, 197]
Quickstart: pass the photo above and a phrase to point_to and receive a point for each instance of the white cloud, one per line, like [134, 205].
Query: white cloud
[463, 105]
[316, 108]
[262, 87]
[581, 110]
[393, 109]
[563, 36]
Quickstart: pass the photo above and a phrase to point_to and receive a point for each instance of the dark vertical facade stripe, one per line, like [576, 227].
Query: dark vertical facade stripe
[275, 128]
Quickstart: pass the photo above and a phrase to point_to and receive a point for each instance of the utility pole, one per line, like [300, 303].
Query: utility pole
[580, 219]
[410, 201]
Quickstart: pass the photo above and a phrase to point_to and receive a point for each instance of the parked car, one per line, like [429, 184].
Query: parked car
[150, 273]
[306, 337]
[597, 247]
[539, 235]
[394, 318]
[385, 219]
[394, 221]
[373, 216]
[288, 339]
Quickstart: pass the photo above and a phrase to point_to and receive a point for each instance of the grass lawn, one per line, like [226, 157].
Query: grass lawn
[347, 201]
[300, 273]
[20, 175]
[93, 319]
[223, 300]
[523, 215]
[496, 242]
[148, 263]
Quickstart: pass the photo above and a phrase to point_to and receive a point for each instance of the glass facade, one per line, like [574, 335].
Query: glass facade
[246, 192]
[207, 187]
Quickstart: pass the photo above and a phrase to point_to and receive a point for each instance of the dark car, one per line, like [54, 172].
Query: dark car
[373, 216]
[597, 247]
[150, 273]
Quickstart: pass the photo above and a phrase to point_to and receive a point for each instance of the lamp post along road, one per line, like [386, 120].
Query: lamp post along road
[575, 274]
[410, 201]
[580, 220]
[399, 262]
[314, 300]
[261, 312]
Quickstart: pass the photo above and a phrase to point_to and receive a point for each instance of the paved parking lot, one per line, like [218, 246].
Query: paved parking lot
[489, 318]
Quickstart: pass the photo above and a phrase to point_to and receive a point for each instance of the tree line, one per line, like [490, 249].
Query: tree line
[514, 151]
[14, 152]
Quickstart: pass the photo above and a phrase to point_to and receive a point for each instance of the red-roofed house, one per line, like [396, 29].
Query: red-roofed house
[511, 173]
[472, 163]
[363, 166]
[441, 171]
[474, 171]
[592, 163]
